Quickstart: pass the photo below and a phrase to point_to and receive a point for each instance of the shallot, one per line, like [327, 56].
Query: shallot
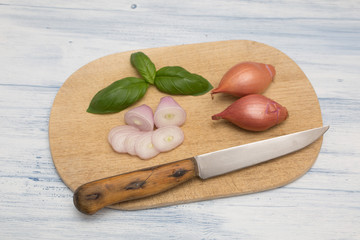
[138, 136]
[254, 112]
[120, 129]
[246, 78]
[169, 113]
[130, 142]
[118, 141]
[167, 138]
[141, 117]
[144, 147]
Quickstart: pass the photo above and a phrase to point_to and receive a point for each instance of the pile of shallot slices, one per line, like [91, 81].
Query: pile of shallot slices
[139, 138]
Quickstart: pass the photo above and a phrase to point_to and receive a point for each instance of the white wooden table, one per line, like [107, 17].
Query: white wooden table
[43, 42]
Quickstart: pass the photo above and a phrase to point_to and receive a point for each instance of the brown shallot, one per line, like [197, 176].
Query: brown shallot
[254, 112]
[246, 78]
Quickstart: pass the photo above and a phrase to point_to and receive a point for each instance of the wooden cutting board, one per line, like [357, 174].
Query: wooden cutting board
[78, 140]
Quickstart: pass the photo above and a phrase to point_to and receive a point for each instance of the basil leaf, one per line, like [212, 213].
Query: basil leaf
[118, 95]
[144, 66]
[177, 81]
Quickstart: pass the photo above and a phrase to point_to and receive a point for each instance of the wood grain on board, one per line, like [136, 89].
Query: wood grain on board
[78, 140]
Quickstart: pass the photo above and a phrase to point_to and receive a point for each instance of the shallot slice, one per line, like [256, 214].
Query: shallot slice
[130, 142]
[169, 113]
[121, 128]
[167, 138]
[118, 141]
[144, 147]
[141, 117]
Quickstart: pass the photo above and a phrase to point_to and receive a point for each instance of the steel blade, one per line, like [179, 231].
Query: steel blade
[235, 158]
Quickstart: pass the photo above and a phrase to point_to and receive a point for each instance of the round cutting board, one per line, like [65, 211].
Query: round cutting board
[78, 140]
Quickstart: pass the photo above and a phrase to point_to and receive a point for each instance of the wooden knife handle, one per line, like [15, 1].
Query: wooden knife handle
[93, 196]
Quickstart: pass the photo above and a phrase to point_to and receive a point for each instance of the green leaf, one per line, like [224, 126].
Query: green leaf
[144, 66]
[118, 95]
[177, 81]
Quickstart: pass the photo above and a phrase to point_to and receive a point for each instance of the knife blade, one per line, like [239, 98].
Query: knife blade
[93, 196]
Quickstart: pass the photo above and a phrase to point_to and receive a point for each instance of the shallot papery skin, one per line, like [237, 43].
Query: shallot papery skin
[246, 78]
[169, 113]
[141, 117]
[254, 112]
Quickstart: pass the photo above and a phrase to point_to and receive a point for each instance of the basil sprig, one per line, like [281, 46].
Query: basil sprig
[144, 66]
[178, 81]
[118, 95]
[123, 93]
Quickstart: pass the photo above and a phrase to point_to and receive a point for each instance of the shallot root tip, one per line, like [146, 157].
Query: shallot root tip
[216, 117]
[215, 91]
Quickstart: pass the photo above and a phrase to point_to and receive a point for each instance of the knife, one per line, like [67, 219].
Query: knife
[93, 196]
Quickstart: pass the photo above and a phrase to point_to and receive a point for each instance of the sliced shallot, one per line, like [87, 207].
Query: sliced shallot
[141, 117]
[167, 138]
[118, 141]
[169, 113]
[119, 129]
[130, 142]
[144, 147]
